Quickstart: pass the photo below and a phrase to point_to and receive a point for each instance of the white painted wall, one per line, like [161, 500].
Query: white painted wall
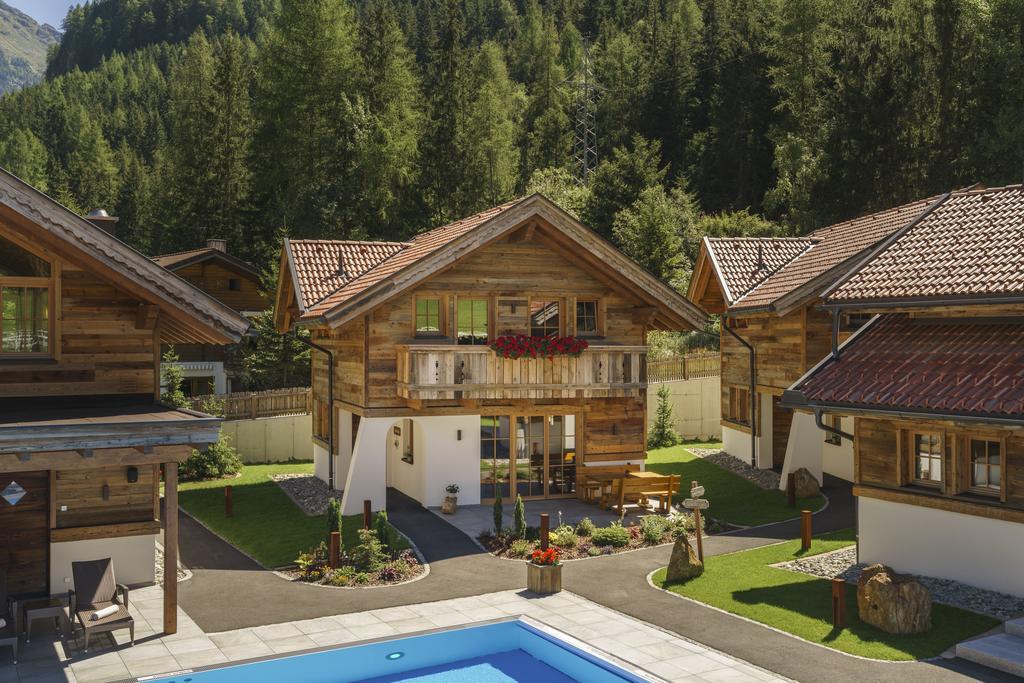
[736, 443]
[450, 460]
[838, 460]
[134, 559]
[406, 477]
[320, 465]
[367, 475]
[696, 406]
[271, 439]
[918, 540]
[807, 448]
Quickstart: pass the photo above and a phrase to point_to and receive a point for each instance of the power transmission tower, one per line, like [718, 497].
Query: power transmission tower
[584, 147]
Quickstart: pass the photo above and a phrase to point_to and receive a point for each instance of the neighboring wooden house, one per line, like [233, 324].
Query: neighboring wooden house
[768, 292]
[82, 434]
[230, 280]
[420, 401]
[932, 391]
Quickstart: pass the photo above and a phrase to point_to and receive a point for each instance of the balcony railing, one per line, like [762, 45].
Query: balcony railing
[427, 372]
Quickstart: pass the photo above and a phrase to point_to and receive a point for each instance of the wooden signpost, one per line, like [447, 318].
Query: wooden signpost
[696, 503]
[229, 508]
[545, 526]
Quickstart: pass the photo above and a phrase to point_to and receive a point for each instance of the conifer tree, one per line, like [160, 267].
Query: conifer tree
[663, 433]
[24, 155]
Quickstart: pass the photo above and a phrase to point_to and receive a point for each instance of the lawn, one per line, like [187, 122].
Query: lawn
[266, 523]
[733, 498]
[744, 584]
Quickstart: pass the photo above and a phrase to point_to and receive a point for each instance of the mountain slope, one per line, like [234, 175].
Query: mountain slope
[23, 45]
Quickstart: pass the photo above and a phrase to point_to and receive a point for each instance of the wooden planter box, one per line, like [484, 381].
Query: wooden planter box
[543, 580]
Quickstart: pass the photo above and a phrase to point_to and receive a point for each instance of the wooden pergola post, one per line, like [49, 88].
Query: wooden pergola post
[170, 548]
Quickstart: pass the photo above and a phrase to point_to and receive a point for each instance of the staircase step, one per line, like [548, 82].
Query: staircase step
[1015, 627]
[1002, 651]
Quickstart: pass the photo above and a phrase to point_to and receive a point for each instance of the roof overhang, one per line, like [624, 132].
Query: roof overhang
[795, 400]
[187, 313]
[925, 302]
[672, 309]
[231, 262]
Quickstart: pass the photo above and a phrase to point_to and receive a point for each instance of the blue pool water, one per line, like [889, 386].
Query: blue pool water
[503, 652]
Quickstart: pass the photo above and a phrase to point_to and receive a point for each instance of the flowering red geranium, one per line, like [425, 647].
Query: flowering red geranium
[545, 558]
[520, 346]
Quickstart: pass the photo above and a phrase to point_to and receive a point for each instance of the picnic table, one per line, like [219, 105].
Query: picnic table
[606, 480]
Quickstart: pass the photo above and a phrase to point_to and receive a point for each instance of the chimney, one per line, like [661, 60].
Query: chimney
[219, 245]
[104, 221]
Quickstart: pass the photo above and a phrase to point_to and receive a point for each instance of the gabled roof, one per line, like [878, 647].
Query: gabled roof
[742, 263]
[384, 270]
[182, 259]
[830, 253]
[936, 366]
[187, 314]
[970, 246]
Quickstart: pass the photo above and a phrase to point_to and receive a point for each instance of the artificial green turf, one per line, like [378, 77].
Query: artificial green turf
[266, 523]
[744, 584]
[733, 498]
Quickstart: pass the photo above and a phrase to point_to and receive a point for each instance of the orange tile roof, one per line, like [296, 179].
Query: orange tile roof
[946, 366]
[833, 246]
[970, 245]
[418, 248]
[323, 266]
[744, 262]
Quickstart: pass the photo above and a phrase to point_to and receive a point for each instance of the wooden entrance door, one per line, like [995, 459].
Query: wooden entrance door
[24, 533]
[782, 420]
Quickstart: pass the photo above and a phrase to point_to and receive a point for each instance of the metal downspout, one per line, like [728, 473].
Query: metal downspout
[330, 403]
[753, 392]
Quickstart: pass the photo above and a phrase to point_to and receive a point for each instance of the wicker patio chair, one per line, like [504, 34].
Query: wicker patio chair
[9, 613]
[95, 589]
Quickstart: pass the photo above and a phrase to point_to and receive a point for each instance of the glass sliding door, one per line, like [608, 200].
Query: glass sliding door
[561, 449]
[495, 449]
[530, 456]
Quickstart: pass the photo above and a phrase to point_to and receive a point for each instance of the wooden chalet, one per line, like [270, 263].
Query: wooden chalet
[419, 399]
[236, 283]
[932, 391]
[83, 437]
[768, 292]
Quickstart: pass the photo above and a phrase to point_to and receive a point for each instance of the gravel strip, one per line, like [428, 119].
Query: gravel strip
[843, 564]
[307, 491]
[182, 574]
[766, 479]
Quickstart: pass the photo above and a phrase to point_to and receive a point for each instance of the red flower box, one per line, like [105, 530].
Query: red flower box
[517, 346]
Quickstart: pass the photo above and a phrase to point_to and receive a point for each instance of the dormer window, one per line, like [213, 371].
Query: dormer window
[25, 287]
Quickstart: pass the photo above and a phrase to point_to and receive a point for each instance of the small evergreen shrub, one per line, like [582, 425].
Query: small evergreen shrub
[585, 527]
[653, 528]
[662, 432]
[333, 517]
[519, 517]
[368, 556]
[383, 530]
[213, 462]
[614, 535]
[498, 511]
[520, 548]
[564, 536]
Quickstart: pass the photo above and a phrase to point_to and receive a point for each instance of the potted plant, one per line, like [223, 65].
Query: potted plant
[451, 501]
[544, 572]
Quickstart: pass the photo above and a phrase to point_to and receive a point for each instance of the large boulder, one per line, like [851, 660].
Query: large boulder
[683, 564]
[895, 603]
[805, 484]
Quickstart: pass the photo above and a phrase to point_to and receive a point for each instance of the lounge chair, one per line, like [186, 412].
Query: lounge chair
[9, 613]
[95, 590]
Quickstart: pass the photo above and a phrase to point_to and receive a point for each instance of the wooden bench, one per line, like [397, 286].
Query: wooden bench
[639, 490]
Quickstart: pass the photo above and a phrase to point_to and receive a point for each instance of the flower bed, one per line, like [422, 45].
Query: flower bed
[586, 540]
[369, 563]
[522, 346]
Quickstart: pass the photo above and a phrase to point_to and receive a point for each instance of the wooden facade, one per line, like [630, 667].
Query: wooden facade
[238, 289]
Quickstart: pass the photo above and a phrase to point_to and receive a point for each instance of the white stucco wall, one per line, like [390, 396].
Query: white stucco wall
[736, 443]
[918, 540]
[134, 559]
[404, 476]
[696, 406]
[807, 448]
[838, 460]
[320, 461]
[271, 439]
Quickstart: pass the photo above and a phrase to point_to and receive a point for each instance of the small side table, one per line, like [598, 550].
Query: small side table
[52, 608]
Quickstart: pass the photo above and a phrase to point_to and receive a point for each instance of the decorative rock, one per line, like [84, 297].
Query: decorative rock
[805, 484]
[683, 564]
[895, 603]
[450, 505]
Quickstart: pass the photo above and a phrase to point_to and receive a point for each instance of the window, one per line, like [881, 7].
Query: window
[428, 318]
[928, 459]
[472, 321]
[586, 318]
[545, 318]
[234, 284]
[495, 449]
[25, 281]
[986, 465]
[739, 405]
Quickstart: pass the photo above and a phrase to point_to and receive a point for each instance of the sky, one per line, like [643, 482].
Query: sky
[50, 12]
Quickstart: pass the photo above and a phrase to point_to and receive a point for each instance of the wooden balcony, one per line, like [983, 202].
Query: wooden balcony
[430, 372]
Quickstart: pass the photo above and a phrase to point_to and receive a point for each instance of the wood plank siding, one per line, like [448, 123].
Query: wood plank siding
[79, 496]
[217, 280]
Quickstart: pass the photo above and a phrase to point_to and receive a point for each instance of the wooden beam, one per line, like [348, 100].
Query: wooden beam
[90, 533]
[145, 450]
[524, 234]
[84, 452]
[146, 317]
[69, 460]
[170, 548]
[414, 403]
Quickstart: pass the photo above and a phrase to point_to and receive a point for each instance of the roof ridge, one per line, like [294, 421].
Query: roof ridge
[360, 242]
[873, 214]
[765, 278]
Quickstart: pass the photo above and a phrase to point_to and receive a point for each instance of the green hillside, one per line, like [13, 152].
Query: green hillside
[23, 46]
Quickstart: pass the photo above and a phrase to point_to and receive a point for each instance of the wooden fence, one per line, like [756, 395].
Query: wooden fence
[249, 405]
[690, 366]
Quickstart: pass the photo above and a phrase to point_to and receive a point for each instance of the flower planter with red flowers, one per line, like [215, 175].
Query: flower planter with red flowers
[544, 572]
[522, 346]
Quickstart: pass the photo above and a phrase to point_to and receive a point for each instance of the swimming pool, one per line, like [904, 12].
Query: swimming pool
[508, 651]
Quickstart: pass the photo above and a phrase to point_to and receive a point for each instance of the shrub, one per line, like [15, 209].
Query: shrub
[368, 556]
[520, 548]
[333, 517]
[383, 530]
[585, 527]
[498, 511]
[564, 536]
[171, 378]
[452, 489]
[213, 462]
[614, 535]
[594, 551]
[339, 578]
[653, 528]
[662, 432]
[683, 524]
[519, 517]
[393, 571]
